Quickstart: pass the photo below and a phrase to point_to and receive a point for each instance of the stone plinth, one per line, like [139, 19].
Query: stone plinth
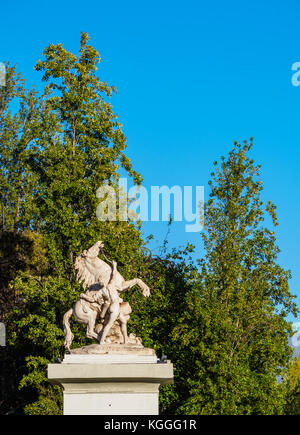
[113, 349]
[110, 384]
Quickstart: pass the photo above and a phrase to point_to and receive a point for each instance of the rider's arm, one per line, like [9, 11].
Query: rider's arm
[87, 298]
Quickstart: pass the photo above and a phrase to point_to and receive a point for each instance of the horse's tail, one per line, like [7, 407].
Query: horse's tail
[67, 330]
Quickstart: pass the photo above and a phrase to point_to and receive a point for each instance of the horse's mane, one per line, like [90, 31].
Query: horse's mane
[83, 275]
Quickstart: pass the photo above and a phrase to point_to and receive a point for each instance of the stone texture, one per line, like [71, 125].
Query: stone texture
[114, 358]
[113, 349]
[111, 404]
[149, 373]
[110, 389]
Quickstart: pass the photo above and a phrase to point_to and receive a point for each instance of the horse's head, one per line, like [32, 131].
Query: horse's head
[91, 269]
[93, 251]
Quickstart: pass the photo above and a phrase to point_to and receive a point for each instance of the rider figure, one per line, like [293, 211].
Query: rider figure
[112, 302]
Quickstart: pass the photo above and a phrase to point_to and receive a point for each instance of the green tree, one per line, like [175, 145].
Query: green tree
[77, 146]
[235, 323]
[293, 395]
[20, 248]
[222, 322]
[19, 126]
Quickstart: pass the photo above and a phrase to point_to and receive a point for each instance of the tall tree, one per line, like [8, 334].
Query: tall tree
[78, 146]
[81, 149]
[235, 324]
[21, 249]
[19, 119]
[19, 115]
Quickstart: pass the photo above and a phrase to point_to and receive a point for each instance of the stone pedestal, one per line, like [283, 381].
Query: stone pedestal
[95, 384]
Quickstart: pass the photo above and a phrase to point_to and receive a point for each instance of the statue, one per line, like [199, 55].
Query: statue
[102, 301]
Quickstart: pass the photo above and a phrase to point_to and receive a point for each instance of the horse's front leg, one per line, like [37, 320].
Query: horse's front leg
[126, 285]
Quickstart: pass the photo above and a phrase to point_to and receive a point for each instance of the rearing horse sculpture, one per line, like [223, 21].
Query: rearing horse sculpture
[95, 274]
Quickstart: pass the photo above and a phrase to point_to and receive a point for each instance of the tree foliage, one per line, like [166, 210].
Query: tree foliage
[236, 326]
[221, 321]
[68, 145]
[293, 392]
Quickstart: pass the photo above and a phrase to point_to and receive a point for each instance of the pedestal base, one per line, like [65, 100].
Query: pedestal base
[107, 385]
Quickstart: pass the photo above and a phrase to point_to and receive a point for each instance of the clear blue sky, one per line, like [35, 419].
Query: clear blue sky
[192, 77]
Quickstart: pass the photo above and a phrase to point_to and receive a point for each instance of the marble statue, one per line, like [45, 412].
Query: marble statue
[102, 302]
